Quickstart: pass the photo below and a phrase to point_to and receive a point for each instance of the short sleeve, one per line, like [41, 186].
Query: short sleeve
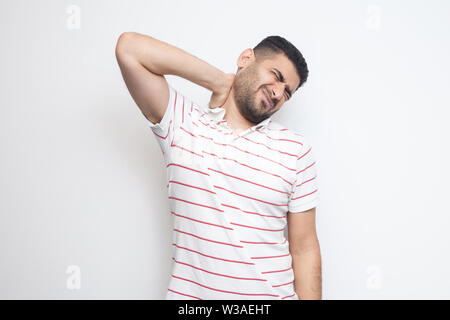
[304, 195]
[180, 110]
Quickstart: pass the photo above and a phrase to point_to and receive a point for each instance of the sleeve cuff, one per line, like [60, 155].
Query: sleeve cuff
[304, 207]
[164, 123]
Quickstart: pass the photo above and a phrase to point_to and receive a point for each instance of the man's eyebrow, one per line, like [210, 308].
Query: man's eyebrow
[283, 80]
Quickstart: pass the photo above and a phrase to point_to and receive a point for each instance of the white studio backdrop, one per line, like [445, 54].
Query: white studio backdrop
[83, 204]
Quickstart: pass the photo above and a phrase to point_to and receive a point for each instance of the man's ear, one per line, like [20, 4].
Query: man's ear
[246, 58]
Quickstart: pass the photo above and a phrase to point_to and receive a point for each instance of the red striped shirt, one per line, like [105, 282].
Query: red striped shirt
[229, 194]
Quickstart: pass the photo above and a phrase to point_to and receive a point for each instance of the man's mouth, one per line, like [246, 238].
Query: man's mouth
[268, 100]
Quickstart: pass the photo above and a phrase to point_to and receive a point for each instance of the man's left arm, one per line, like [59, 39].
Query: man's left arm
[305, 250]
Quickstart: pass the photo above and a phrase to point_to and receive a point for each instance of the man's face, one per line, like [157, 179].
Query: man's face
[254, 83]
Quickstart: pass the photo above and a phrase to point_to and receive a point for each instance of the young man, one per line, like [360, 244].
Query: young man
[235, 178]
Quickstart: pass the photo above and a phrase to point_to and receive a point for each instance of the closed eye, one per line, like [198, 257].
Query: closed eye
[276, 76]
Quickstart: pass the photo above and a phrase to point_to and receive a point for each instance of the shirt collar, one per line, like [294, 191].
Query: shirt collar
[218, 114]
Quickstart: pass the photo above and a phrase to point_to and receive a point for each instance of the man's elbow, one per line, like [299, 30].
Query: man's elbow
[308, 244]
[123, 43]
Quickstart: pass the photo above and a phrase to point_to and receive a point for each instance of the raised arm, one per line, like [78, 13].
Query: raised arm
[144, 60]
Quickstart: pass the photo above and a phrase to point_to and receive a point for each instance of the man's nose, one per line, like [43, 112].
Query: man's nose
[277, 91]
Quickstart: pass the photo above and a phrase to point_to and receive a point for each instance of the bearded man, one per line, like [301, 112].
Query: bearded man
[236, 178]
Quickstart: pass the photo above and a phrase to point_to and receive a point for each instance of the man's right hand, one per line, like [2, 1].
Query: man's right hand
[220, 95]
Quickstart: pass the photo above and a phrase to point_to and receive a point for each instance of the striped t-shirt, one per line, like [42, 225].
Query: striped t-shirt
[229, 195]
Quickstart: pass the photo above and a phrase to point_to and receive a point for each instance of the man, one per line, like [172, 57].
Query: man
[235, 178]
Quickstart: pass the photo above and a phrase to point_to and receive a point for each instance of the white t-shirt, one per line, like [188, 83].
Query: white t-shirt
[229, 195]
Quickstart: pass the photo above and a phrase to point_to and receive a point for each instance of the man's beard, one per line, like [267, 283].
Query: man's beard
[244, 93]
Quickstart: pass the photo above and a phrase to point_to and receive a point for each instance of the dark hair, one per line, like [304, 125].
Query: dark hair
[274, 45]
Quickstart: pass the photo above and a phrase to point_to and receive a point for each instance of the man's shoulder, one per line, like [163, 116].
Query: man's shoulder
[189, 104]
[283, 132]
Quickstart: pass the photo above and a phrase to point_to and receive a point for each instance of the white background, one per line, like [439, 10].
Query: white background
[82, 177]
